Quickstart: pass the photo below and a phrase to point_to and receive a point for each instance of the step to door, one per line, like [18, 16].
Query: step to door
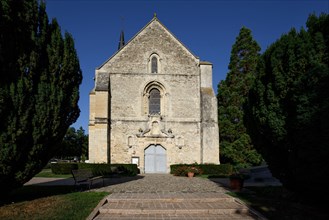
[173, 206]
[181, 207]
[189, 216]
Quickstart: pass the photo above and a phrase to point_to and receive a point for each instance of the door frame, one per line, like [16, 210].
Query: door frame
[154, 159]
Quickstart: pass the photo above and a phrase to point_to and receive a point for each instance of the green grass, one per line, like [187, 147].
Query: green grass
[49, 202]
[49, 174]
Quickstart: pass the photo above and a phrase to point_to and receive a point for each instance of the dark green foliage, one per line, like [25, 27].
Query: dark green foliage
[288, 108]
[39, 90]
[129, 169]
[222, 169]
[235, 143]
[63, 168]
[75, 143]
[102, 169]
[107, 169]
[97, 169]
[185, 169]
[179, 171]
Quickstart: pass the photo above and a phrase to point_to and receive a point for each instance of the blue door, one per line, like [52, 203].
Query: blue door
[155, 159]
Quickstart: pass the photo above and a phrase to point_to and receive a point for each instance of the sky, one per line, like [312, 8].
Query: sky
[207, 28]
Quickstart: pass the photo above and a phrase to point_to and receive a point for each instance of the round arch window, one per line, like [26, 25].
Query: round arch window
[154, 102]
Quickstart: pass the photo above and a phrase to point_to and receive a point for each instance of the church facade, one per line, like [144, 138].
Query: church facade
[153, 104]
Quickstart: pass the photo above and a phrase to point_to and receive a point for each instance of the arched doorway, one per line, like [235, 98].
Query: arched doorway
[155, 159]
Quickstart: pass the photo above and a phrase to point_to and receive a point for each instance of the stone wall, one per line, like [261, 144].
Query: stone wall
[209, 126]
[183, 147]
[154, 38]
[120, 126]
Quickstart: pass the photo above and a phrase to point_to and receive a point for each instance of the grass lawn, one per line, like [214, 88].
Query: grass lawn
[48, 173]
[49, 202]
[275, 202]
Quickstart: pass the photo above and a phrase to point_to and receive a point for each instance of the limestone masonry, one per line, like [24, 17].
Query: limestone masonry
[153, 105]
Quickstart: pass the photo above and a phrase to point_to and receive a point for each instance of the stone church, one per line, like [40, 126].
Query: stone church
[153, 105]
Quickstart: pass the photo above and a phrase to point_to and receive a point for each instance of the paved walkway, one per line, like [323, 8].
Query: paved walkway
[161, 183]
[164, 196]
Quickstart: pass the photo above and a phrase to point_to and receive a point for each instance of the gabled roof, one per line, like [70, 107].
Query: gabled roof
[150, 22]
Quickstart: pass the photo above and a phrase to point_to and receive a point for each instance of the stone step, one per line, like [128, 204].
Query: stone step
[160, 207]
[172, 206]
[216, 196]
[185, 216]
[178, 200]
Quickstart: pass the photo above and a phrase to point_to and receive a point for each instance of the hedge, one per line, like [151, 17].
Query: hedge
[63, 168]
[97, 168]
[209, 169]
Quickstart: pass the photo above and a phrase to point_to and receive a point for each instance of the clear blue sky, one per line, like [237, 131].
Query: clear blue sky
[207, 28]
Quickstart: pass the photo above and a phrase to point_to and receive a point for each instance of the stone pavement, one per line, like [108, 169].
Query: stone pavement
[163, 196]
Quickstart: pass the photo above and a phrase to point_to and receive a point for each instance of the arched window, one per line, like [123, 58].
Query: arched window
[154, 65]
[154, 102]
[154, 99]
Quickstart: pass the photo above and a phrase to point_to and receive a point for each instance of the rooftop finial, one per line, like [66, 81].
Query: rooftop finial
[155, 15]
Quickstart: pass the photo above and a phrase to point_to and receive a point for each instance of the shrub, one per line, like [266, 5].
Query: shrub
[63, 168]
[194, 169]
[222, 169]
[179, 171]
[129, 169]
[98, 169]
[184, 169]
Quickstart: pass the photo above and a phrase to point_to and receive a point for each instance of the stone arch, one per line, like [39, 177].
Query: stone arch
[154, 59]
[146, 97]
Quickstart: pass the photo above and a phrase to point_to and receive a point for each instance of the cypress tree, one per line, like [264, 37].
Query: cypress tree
[39, 89]
[288, 108]
[236, 146]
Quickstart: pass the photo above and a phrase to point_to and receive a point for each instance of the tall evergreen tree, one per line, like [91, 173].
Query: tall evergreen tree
[75, 144]
[39, 89]
[288, 108]
[236, 146]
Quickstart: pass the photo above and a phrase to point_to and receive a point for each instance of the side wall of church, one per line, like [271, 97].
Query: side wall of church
[209, 116]
[98, 127]
[209, 126]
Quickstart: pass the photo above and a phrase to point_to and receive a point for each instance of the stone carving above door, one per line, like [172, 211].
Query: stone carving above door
[155, 128]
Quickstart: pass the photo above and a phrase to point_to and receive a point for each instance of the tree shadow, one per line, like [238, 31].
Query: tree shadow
[117, 179]
[54, 187]
[31, 192]
[276, 202]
